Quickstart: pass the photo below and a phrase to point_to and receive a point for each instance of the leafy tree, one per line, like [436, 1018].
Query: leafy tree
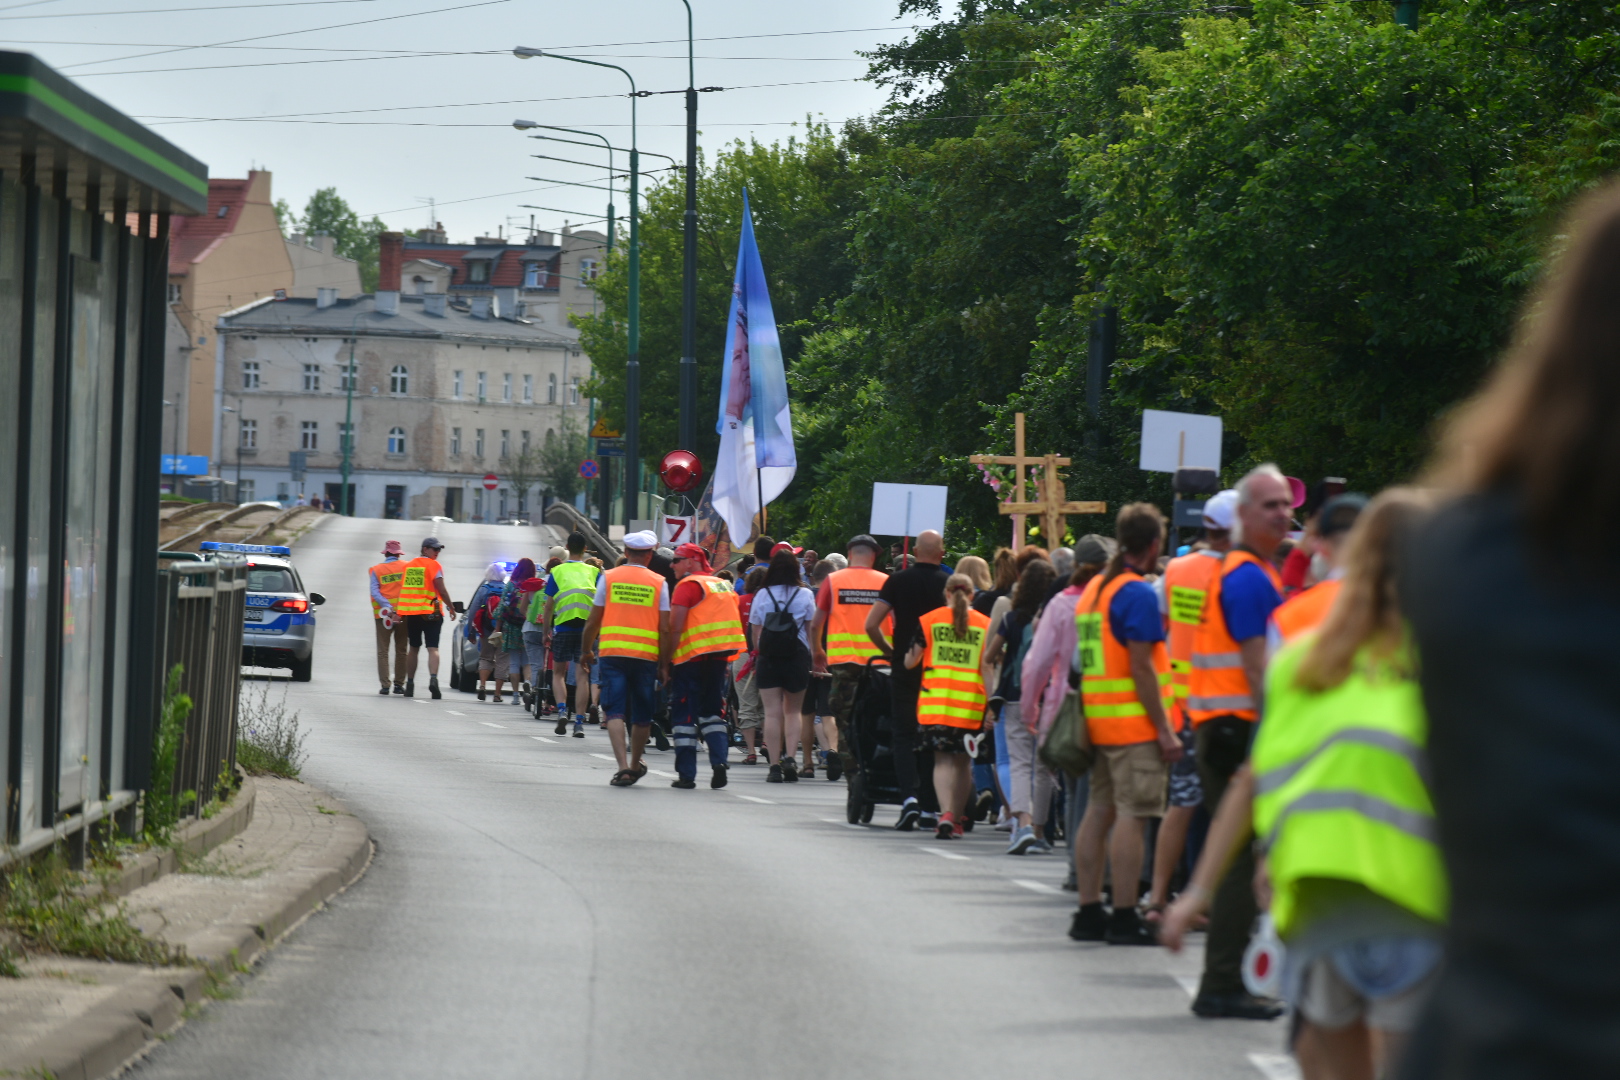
[556, 460]
[523, 470]
[327, 212]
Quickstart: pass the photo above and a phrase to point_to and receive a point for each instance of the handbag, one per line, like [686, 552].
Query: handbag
[496, 640]
[1068, 744]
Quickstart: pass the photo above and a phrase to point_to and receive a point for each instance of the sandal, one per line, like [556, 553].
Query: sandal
[1153, 914]
[751, 759]
[496, 699]
[624, 778]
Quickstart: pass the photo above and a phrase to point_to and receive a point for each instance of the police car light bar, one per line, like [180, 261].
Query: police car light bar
[245, 549]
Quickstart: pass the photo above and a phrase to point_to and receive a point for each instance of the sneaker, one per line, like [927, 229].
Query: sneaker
[775, 775]
[1125, 927]
[383, 691]
[527, 695]
[835, 766]
[480, 693]
[1041, 846]
[928, 822]
[790, 771]
[398, 689]
[433, 688]
[1023, 838]
[593, 715]
[561, 728]
[908, 816]
[718, 780]
[1007, 824]
[410, 687]
[579, 730]
[1237, 1006]
[964, 825]
[660, 740]
[1090, 923]
[683, 783]
[946, 829]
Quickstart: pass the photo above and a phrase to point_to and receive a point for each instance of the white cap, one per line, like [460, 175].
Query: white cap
[1219, 509]
[641, 541]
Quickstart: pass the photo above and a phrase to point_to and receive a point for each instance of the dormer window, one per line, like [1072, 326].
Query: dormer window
[223, 211]
[478, 272]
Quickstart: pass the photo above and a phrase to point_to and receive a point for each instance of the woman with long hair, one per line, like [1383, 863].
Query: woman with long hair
[780, 616]
[978, 571]
[951, 705]
[1029, 783]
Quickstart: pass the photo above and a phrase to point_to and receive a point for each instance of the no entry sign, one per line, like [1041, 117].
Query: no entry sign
[490, 481]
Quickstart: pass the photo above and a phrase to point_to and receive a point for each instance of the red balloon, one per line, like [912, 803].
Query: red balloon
[681, 471]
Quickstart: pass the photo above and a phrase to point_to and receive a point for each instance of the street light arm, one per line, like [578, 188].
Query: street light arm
[691, 61]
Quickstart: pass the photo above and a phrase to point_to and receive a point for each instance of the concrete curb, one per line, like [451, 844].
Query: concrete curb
[198, 838]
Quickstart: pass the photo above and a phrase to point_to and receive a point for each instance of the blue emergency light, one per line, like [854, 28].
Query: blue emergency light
[246, 549]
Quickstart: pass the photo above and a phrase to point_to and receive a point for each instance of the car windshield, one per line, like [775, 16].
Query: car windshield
[270, 579]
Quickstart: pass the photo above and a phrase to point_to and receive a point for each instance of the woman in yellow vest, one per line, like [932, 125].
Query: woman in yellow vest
[951, 705]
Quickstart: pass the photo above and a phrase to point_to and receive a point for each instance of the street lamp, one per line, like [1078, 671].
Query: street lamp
[688, 383]
[632, 380]
[530, 125]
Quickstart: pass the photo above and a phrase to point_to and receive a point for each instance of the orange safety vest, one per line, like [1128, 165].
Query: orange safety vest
[952, 685]
[630, 616]
[388, 575]
[417, 596]
[1219, 685]
[1115, 716]
[1306, 610]
[854, 591]
[1187, 583]
[714, 625]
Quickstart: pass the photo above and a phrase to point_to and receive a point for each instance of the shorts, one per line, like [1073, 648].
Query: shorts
[818, 696]
[1383, 981]
[491, 659]
[1185, 787]
[1131, 778]
[750, 710]
[789, 673]
[627, 689]
[565, 646]
[941, 738]
[423, 630]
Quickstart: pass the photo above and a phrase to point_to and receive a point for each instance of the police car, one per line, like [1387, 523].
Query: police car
[278, 620]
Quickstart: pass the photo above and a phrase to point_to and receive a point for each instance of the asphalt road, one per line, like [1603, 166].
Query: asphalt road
[524, 919]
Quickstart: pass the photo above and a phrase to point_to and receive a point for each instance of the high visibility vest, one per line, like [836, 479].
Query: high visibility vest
[854, 591]
[1219, 686]
[576, 588]
[1339, 789]
[388, 575]
[952, 686]
[714, 625]
[417, 596]
[1187, 582]
[1306, 610]
[630, 616]
[1115, 716]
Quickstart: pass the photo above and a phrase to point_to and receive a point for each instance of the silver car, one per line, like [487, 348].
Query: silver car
[278, 618]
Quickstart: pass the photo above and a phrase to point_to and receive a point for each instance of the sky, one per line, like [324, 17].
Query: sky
[396, 102]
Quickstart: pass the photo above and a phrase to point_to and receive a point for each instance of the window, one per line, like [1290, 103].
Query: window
[455, 441]
[528, 389]
[309, 435]
[551, 389]
[478, 443]
[348, 377]
[246, 491]
[573, 391]
[174, 292]
[455, 385]
[345, 437]
[399, 382]
[271, 579]
[506, 387]
[250, 374]
[478, 271]
[588, 270]
[223, 211]
[506, 443]
[396, 440]
[483, 385]
[250, 435]
[535, 276]
[312, 377]
[525, 442]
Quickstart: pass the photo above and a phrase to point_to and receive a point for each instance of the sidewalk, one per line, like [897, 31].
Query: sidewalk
[82, 1019]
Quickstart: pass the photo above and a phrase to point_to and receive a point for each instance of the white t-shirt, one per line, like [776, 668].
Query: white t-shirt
[794, 599]
[601, 592]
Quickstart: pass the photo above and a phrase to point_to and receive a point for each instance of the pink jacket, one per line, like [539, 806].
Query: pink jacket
[1047, 663]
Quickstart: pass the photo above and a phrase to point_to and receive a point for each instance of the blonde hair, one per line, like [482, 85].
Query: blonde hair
[1366, 614]
[975, 568]
[959, 596]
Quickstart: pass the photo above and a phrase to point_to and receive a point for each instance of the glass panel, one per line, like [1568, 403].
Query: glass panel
[10, 371]
[270, 579]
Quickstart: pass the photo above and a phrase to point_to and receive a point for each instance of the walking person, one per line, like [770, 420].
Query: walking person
[744, 670]
[781, 616]
[838, 641]
[385, 578]
[423, 600]
[908, 596]
[949, 656]
[705, 632]
[520, 589]
[568, 591]
[818, 732]
[493, 661]
[629, 618]
[1029, 783]
[1126, 696]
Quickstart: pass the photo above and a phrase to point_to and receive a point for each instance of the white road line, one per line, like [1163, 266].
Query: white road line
[486, 723]
[1188, 983]
[845, 824]
[1275, 1066]
[606, 757]
[542, 738]
[945, 854]
[754, 798]
[1037, 886]
[453, 712]
[659, 772]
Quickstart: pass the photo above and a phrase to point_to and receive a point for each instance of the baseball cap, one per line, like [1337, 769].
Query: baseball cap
[1339, 514]
[866, 541]
[1220, 508]
[557, 552]
[1093, 550]
[641, 541]
[433, 542]
[393, 547]
[785, 546]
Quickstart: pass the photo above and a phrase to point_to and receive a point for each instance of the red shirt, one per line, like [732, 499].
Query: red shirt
[688, 594]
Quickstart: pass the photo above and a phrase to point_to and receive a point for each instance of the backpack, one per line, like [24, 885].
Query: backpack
[779, 636]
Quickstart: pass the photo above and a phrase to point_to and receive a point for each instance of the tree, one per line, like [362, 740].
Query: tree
[327, 212]
[558, 459]
[523, 470]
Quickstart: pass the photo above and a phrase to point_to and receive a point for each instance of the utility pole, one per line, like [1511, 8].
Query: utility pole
[688, 384]
[346, 503]
[1099, 362]
[1406, 13]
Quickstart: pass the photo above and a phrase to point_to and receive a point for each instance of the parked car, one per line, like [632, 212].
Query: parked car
[278, 616]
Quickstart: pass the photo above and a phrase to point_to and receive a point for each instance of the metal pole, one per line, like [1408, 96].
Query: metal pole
[239, 450]
[1406, 13]
[688, 381]
[348, 421]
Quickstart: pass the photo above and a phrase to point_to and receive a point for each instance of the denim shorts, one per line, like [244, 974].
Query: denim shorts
[627, 688]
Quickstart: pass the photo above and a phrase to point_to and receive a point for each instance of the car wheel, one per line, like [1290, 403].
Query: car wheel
[469, 680]
[455, 676]
[303, 669]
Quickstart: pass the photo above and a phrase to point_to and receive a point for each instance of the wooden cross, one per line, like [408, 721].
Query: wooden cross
[1052, 505]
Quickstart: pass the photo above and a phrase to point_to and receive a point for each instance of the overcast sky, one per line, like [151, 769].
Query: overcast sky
[381, 88]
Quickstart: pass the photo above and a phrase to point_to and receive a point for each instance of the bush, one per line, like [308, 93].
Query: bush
[268, 742]
[52, 909]
[161, 805]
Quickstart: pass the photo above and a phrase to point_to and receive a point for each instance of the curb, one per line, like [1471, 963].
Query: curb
[198, 838]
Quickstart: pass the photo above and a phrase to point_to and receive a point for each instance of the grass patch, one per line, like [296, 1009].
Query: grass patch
[8, 963]
[268, 741]
[50, 908]
[161, 806]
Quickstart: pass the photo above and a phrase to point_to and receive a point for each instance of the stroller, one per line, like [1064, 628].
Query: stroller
[870, 730]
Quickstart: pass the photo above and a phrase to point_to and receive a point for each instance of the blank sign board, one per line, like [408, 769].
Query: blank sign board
[907, 509]
[1176, 440]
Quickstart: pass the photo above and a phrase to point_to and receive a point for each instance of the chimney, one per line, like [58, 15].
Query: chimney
[325, 298]
[480, 307]
[296, 238]
[433, 304]
[506, 302]
[390, 256]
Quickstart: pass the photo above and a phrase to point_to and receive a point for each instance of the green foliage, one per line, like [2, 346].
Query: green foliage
[556, 460]
[161, 805]
[268, 741]
[53, 909]
[327, 212]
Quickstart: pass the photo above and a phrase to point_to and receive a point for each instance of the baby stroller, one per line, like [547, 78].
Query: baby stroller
[870, 732]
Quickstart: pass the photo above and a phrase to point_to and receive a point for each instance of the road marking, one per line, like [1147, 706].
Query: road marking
[845, 824]
[453, 712]
[606, 757]
[945, 854]
[754, 798]
[1275, 1066]
[659, 772]
[1188, 983]
[486, 723]
[542, 738]
[1037, 886]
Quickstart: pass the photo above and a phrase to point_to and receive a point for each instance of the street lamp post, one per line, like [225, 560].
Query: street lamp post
[688, 384]
[350, 377]
[238, 412]
[529, 125]
[632, 380]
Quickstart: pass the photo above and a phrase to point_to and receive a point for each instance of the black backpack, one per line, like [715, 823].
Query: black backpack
[779, 636]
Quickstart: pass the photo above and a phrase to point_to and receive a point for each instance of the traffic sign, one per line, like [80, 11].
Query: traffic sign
[185, 464]
[490, 481]
[587, 469]
[602, 431]
[610, 448]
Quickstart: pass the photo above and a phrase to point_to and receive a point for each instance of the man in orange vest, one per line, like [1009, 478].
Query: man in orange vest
[1126, 695]
[1305, 610]
[1224, 701]
[421, 591]
[705, 632]
[842, 604]
[629, 616]
[385, 578]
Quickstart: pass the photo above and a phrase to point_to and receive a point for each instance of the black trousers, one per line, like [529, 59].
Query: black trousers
[913, 768]
[1223, 746]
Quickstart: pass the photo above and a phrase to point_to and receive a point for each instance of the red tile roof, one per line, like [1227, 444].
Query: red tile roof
[192, 238]
[506, 268]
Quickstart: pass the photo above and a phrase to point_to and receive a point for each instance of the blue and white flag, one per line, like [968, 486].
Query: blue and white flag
[757, 460]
